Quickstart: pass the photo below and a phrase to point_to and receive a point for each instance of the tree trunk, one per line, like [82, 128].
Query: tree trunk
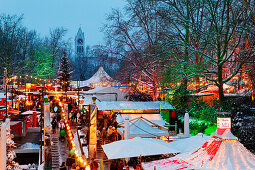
[220, 86]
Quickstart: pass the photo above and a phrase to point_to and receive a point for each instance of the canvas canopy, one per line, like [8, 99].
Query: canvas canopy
[130, 105]
[106, 94]
[141, 127]
[136, 147]
[100, 78]
[189, 144]
[218, 152]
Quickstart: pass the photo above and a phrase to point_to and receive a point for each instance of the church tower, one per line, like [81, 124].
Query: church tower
[79, 42]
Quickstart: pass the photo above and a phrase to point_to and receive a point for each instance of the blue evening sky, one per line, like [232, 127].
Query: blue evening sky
[41, 15]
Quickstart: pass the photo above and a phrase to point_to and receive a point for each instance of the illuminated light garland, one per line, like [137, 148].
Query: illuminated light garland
[79, 157]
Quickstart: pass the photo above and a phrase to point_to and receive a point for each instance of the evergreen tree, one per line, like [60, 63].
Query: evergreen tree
[43, 66]
[64, 72]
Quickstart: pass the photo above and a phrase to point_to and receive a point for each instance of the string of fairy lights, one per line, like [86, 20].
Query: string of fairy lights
[22, 79]
[79, 158]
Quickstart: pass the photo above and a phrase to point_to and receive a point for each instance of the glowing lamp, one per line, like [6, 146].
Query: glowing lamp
[94, 99]
[68, 127]
[88, 167]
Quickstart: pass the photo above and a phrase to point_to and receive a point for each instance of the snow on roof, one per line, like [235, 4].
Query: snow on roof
[235, 94]
[143, 128]
[99, 76]
[3, 94]
[216, 153]
[202, 94]
[189, 144]
[228, 135]
[130, 105]
[30, 112]
[95, 90]
[155, 118]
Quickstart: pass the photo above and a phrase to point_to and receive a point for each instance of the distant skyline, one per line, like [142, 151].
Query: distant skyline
[43, 15]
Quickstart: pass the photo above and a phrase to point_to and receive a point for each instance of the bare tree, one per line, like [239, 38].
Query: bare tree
[134, 36]
[215, 39]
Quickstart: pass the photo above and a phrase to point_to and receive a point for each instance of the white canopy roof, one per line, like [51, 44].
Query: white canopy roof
[106, 94]
[130, 105]
[99, 76]
[221, 152]
[143, 128]
[136, 147]
[189, 144]
[30, 112]
[154, 118]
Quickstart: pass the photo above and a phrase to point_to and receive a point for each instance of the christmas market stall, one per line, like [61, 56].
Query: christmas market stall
[218, 152]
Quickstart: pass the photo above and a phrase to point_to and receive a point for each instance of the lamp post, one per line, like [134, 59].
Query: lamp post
[5, 83]
[6, 114]
[41, 120]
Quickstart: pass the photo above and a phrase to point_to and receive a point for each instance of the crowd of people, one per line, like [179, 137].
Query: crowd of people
[107, 131]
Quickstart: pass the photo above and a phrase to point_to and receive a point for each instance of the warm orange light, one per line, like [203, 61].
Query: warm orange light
[68, 127]
[84, 163]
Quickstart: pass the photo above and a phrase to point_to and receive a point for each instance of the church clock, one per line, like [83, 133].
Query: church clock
[80, 41]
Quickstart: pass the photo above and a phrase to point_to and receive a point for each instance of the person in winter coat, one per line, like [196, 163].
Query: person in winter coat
[54, 125]
[93, 165]
[63, 166]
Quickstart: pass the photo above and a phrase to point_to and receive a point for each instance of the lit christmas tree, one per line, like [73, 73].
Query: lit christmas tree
[64, 72]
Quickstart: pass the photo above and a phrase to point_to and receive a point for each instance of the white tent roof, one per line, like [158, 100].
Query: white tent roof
[142, 128]
[221, 152]
[106, 94]
[99, 76]
[189, 144]
[135, 147]
[155, 118]
[30, 112]
[130, 105]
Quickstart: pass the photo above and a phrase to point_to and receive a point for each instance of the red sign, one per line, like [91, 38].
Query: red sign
[223, 122]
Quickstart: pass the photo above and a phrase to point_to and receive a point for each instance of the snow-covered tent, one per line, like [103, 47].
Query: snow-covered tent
[100, 78]
[136, 147]
[105, 94]
[142, 127]
[219, 152]
[185, 145]
[148, 110]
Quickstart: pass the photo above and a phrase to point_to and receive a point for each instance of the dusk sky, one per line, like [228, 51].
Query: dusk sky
[41, 15]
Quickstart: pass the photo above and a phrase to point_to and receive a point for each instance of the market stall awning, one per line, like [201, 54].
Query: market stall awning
[189, 144]
[127, 106]
[29, 112]
[12, 111]
[218, 152]
[141, 127]
[136, 147]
